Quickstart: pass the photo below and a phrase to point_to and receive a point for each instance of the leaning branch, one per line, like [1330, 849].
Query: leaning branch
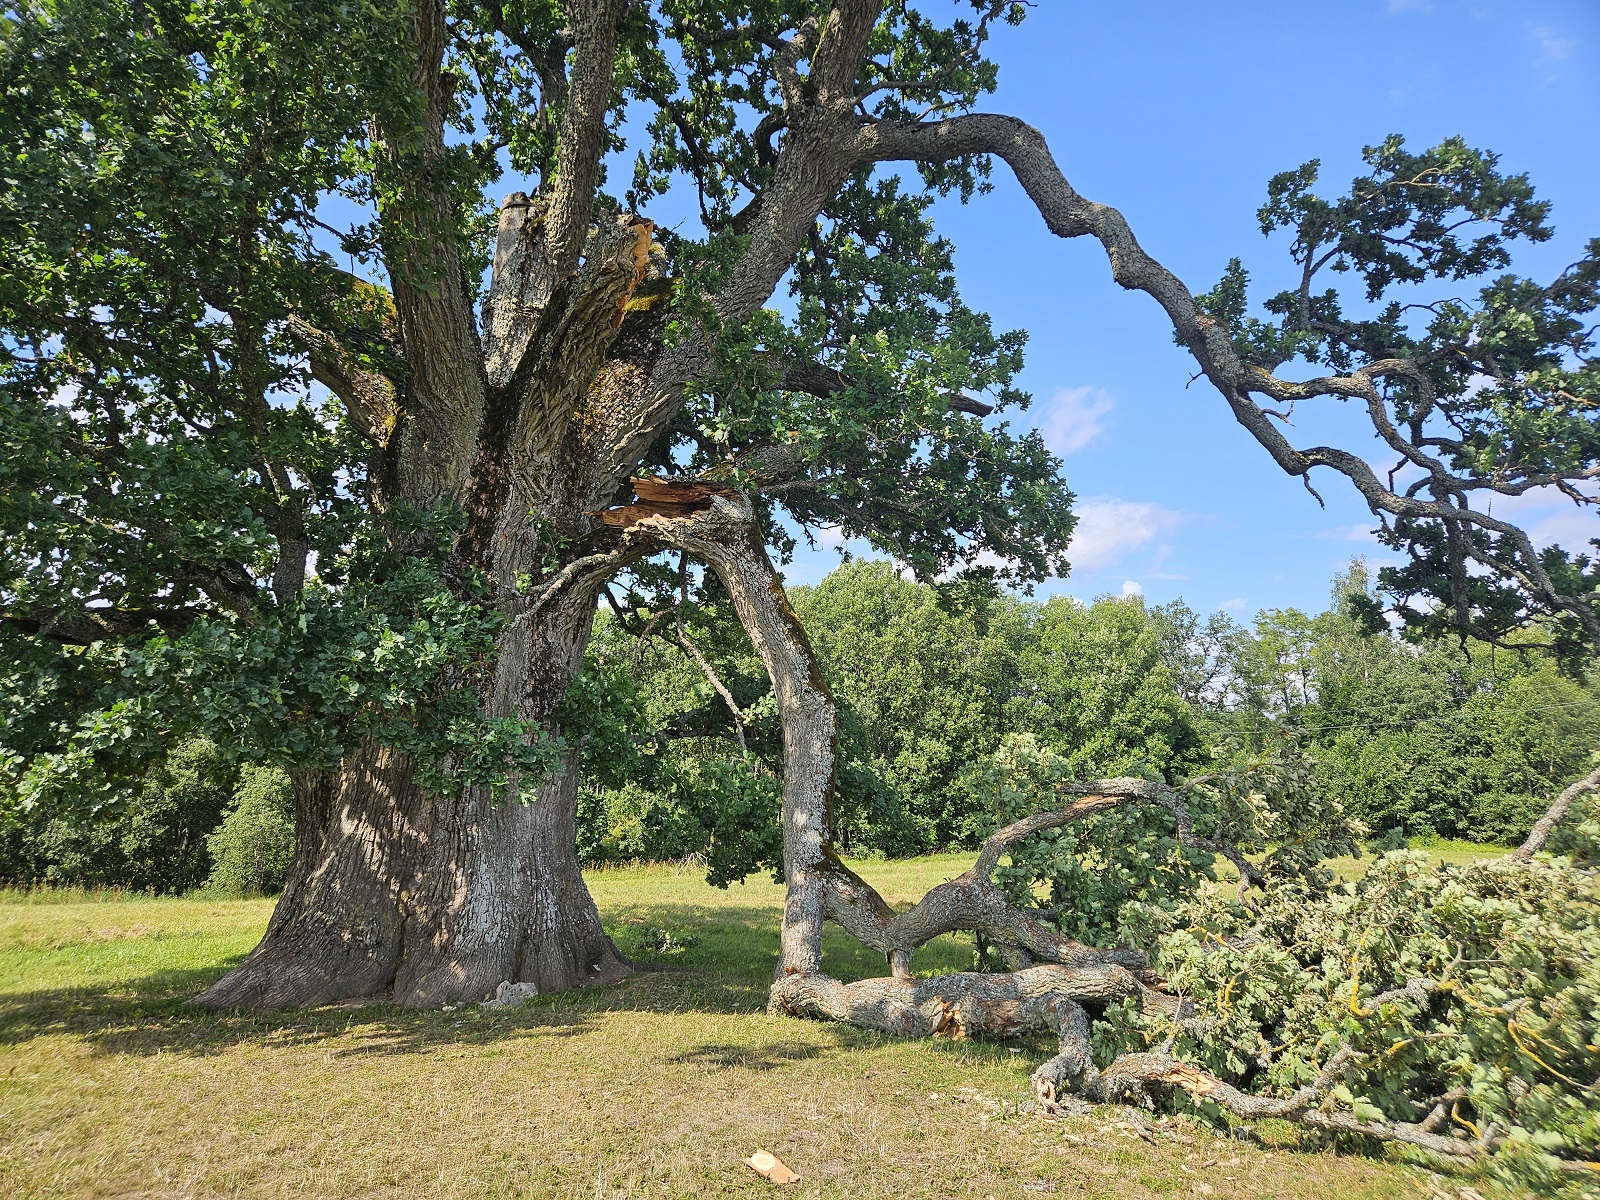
[693, 651]
[86, 626]
[1557, 813]
[1160, 794]
[1069, 215]
[972, 903]
[718, 525]
[369, 397]
[590, 88]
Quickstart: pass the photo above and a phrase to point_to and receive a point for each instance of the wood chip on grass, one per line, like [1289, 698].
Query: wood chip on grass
[771, 1166]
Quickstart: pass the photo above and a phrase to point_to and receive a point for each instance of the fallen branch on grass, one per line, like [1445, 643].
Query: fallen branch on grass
[1055, 981]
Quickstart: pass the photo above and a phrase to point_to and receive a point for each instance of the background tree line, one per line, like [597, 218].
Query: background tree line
[1415, 739]
[199, 819]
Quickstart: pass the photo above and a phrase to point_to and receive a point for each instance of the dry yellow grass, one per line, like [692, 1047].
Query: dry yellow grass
[111, 1086]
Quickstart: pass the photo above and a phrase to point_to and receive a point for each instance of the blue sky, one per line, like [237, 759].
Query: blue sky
[1177, 114]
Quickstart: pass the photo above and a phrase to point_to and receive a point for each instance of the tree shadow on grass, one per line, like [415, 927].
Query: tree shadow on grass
[752, 1058]
[721, 964]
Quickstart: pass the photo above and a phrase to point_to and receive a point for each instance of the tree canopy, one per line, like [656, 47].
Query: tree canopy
[1476, 397]
[340, 384]
[188, 503]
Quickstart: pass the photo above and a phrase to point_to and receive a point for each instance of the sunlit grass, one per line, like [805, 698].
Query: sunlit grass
[111, 1085]
[1455, 854]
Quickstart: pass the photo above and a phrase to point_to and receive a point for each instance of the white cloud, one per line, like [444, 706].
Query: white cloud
[1400, 6]
[1552, 47]
[1132, 588]
[1361, 531]
[1532, 500]
[830, 537]
[1571, 530]
[1073, 418]
[1232, 606]
[1109, 528]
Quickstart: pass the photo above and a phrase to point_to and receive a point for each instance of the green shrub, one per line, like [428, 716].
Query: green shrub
[632, 822]
[152, 840]
[721, 809]
[1504, 818]
[250, 850]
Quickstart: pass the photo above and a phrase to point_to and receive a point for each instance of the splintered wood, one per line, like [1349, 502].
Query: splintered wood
[771, 1166]
[664, 498]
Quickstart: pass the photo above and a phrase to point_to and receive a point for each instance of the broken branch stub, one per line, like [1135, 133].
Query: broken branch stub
[664, 498]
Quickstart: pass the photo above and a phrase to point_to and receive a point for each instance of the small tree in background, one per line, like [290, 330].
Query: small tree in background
[252, 848]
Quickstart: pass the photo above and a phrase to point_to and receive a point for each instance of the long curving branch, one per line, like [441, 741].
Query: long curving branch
[1069, 215]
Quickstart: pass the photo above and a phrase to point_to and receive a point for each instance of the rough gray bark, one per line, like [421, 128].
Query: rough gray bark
[970, 903]
[499, 896]
[337, 928]
[431, 899]
[436, 898]
[531, 431]
[969, 1004]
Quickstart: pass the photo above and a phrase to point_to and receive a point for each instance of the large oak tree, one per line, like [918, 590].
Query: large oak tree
[390, 588]
[355, 520]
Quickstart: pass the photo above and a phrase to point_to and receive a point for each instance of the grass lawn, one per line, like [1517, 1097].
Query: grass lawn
[110, 1085]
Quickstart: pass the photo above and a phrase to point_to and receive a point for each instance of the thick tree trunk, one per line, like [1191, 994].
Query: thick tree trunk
[431, 899]
[725, 535]
[339, 924]
[499, 897]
